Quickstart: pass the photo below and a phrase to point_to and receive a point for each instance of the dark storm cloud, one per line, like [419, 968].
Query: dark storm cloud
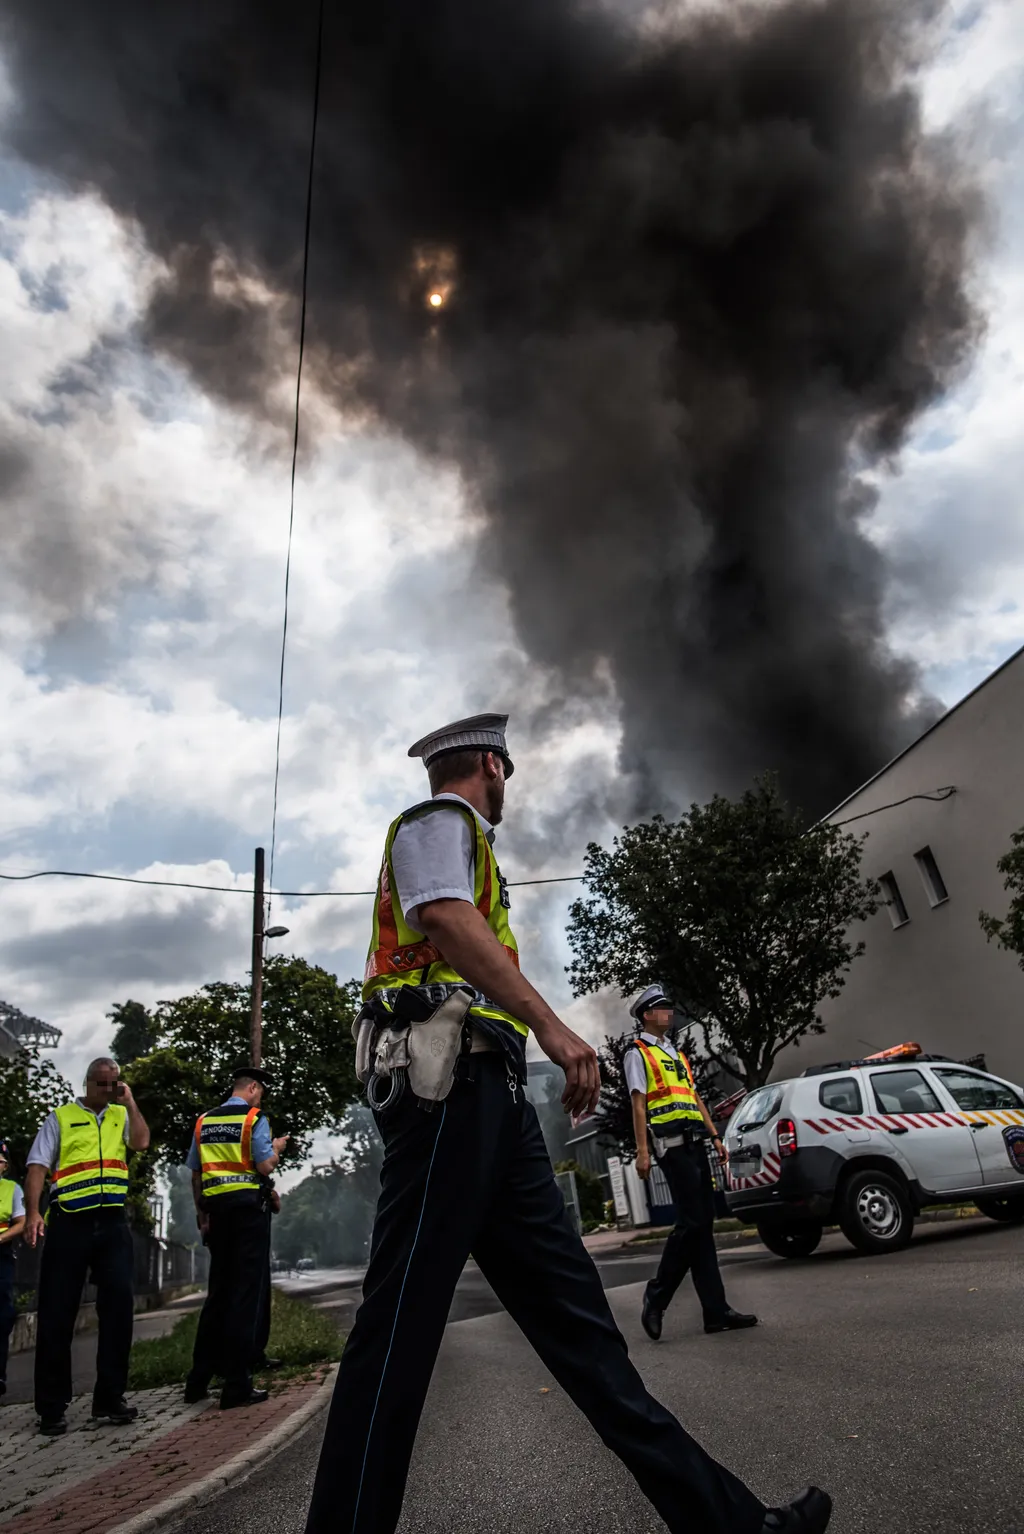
[694, 278]
[166, 948]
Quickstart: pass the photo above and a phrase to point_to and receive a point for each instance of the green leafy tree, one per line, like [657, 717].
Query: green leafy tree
[742, 913]
[135, 1031]
[328, 1216]
[307, 1044]
[1008, 931]
[30, 1088]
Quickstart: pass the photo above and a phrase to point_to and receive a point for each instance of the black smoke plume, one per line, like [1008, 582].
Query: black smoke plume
[666, 285]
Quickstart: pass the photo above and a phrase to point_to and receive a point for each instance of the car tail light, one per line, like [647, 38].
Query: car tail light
[785, 1135]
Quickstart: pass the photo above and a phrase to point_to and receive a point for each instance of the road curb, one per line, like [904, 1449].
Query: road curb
[234, 1470]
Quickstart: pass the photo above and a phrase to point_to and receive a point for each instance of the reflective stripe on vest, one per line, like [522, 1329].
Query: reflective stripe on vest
[6, 1203]
[399, 955]
[91, 1168]
[224, 1143]
[671, 1097]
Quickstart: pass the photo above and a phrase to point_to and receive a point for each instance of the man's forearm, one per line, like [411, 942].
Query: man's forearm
[462, 935]
[138, 1129]
[13, 1230]
[639, 1105]
[706, 1116]
[35, 1178]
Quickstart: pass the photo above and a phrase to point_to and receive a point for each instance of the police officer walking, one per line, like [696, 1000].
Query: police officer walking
[12, 1223]
[664, 1099]
[232, 1151]
[85, 1233]
[466, 1172]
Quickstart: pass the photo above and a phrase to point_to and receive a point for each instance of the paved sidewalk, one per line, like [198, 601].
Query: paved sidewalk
[98, 1479]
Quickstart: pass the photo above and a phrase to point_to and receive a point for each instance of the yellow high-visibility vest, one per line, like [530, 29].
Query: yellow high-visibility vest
[7, 1189]
[671, 1095]
[224, 1143]
[399, 955]
[91, 1169]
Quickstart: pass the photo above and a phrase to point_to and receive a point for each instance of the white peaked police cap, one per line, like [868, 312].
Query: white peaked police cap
[654, 996]
[483, 732]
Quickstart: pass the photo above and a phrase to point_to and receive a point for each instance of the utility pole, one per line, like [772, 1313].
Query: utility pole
[256, 1019]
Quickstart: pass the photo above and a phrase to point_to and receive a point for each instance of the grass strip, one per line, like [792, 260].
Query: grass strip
[299, 1335]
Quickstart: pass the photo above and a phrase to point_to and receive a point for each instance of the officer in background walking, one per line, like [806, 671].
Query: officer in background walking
[665, 1100]
[232, 1151]
[12, 1223]
[82, 1145]
[441, 1044]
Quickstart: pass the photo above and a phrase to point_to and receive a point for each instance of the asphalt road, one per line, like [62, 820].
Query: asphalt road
[892, 1382]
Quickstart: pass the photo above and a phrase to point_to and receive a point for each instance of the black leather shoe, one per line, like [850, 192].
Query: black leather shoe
[650, 1317]
[53, 1426]
[195, 1391]
[254, 1398]
[808, 1513]
[118, 1415]
[268, 1365]
[730, 1321]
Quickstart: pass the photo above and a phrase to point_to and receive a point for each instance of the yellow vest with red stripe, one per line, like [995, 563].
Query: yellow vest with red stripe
[91, 1168]
[224, 1143]
[7, 1191]
[671, 1095]
[399, 955]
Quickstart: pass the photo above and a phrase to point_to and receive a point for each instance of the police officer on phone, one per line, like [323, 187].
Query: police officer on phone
[82, 1145]
[231, 1156]
[466, 1171]
[665, 1101]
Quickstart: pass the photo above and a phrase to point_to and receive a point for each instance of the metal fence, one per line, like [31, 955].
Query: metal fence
[158, 1265]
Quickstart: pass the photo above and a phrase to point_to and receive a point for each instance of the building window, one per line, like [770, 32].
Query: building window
[898, 913]
[934, 885]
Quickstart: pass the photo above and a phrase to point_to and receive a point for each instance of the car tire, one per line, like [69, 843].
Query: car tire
[875, 1213]
[790, 1240]
[1009, 1211]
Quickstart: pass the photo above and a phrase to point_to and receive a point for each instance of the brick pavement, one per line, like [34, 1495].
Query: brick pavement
[93, 1479]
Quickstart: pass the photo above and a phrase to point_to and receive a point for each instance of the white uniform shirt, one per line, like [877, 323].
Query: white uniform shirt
[434, 857]
[46, 1145]
[633, 1062]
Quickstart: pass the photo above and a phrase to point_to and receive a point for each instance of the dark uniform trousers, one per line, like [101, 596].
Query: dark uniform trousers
[691, 1246]
[230, 1325]
[8, 1309]
[473, 1177]
[96, 1243]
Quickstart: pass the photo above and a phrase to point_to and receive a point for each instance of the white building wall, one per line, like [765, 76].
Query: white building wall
[936, 980]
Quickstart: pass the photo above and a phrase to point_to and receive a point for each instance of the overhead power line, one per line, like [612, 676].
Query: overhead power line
[295, 434]
[937, 796]
[237, 889]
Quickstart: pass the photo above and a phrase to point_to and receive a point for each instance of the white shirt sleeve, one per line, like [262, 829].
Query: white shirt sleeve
[18, 1207]
[433, 859]
[636, 1074]
[46, 1145]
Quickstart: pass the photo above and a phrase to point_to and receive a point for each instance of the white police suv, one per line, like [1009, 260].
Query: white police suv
[866, 1144]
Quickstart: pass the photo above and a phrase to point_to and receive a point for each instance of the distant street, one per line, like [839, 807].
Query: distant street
[891, 1381]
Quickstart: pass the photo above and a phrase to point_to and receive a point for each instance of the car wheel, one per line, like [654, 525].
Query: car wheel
[875, 1213]
[1008, 1210]
[790, 1240]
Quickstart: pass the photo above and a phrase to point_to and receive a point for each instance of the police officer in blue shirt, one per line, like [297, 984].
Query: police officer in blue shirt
[232, 1154]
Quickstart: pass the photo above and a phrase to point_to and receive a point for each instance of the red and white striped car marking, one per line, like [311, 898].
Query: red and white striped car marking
[772, 1166]
[836, 1125]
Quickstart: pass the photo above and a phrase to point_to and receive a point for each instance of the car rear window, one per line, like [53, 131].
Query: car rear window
[841, 1094]
[758, 1108]
[904, 1092]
